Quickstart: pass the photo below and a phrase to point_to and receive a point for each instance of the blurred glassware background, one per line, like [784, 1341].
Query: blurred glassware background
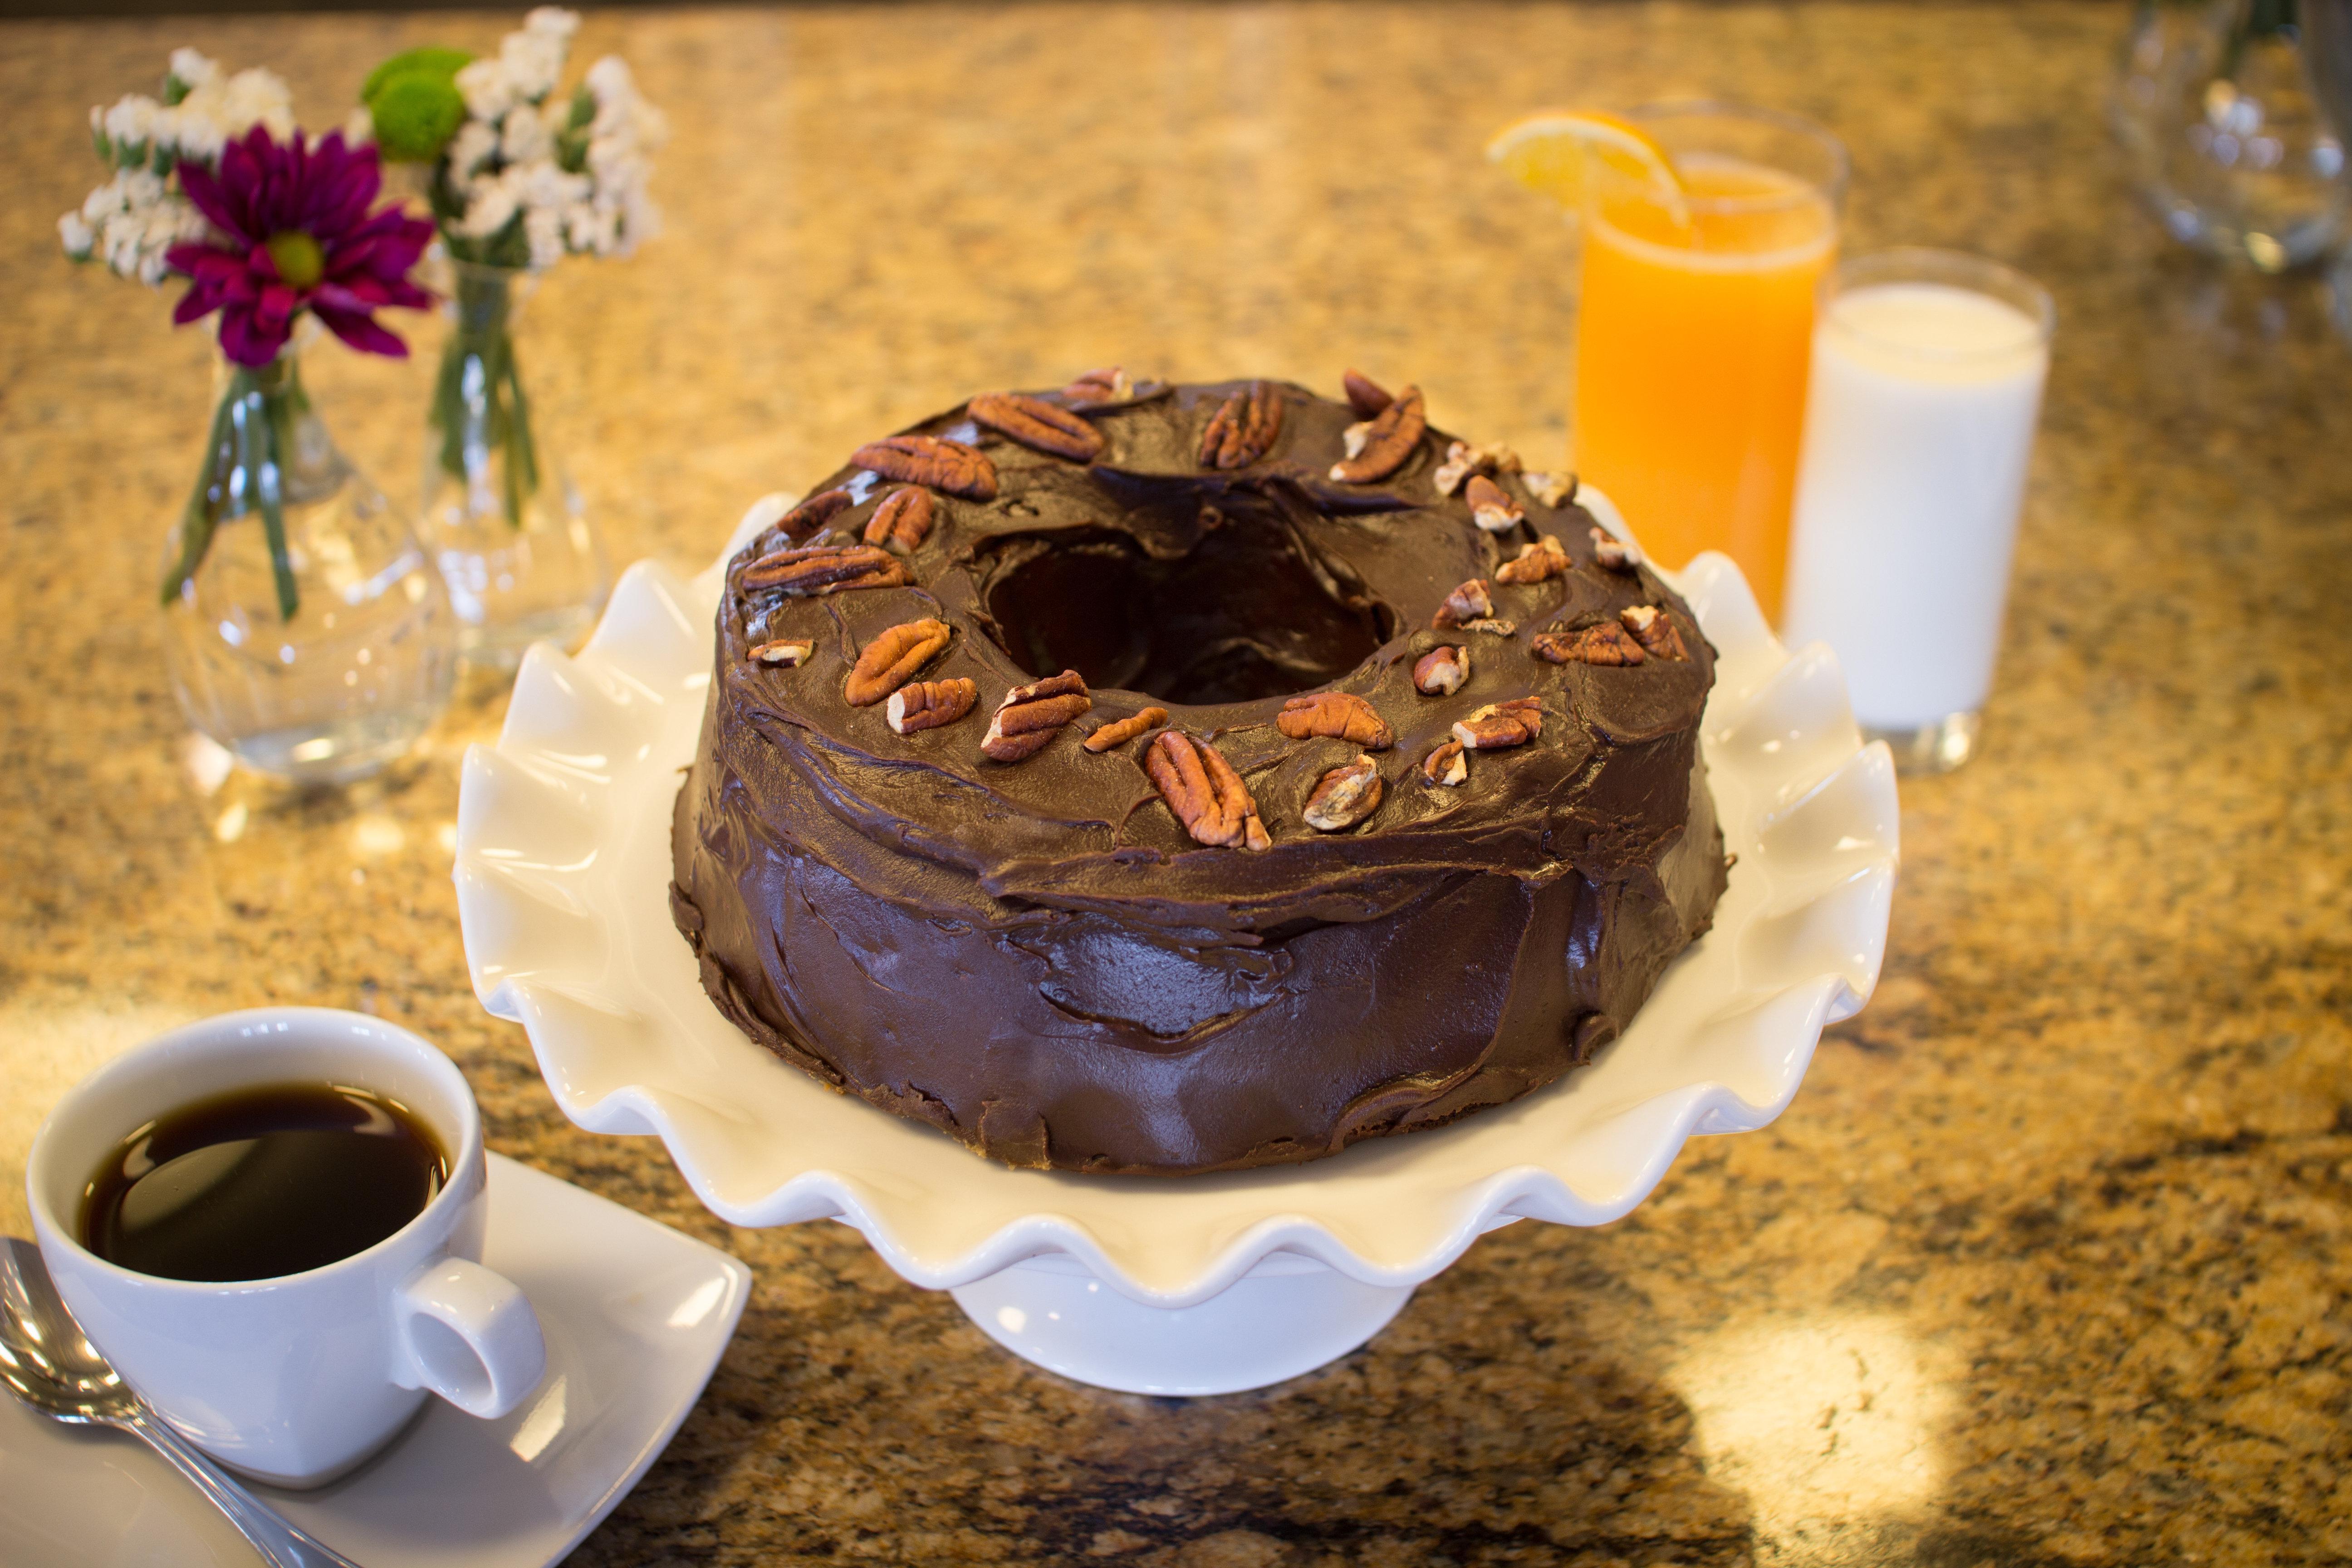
[2215, 105]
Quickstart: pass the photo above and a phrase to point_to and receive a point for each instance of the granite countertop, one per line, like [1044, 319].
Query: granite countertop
[2050, 1262]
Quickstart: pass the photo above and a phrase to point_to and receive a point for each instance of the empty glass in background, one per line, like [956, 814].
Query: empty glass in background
[1928, 370]
[2219, 106]
[1694, 330]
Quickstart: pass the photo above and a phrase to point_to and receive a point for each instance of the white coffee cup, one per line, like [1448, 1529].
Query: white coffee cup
[293, 1379]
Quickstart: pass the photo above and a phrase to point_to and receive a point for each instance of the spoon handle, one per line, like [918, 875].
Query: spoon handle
[280, 1544]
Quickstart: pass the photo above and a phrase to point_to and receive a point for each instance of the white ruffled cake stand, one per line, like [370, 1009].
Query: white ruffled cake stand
[1208, 1284]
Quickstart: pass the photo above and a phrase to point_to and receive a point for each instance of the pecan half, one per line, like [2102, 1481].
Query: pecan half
[927, 704]
[1244, 429]
[1030, 716]
[1345, 796]
[1447, 765]
[1119, 732]
[1470, 602]
[943, 465]
[1096, 388]
[1463, 459]
[812, 513]
[1614, 552]
[1390, 441]
[1036, 423]
[1607, 643]
[903, 521]
[1490, 509]
[1655, 631]
[1440, 671]
[1365, 395]
[1501, 724]
[1205, 794]
[1493, 627]
[1340, 714]
[1535, 561]
[785, 652]
[890, 660]
[1553, 490]
[819, 569]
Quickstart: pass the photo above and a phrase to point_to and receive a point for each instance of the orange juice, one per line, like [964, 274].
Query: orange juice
[1694, 337]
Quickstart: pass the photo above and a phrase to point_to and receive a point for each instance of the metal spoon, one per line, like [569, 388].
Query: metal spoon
[45, 1357]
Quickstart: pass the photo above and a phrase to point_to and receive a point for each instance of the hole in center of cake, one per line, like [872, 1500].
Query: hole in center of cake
[1245, 614]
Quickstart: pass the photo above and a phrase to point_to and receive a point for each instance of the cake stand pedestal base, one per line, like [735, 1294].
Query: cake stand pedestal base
[1287, 1315]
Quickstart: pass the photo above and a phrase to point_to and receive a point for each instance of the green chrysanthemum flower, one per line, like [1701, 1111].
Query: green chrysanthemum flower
[413, 99]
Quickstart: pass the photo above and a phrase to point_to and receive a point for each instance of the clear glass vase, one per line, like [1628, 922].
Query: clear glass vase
[2214, 106]
[521, 556]
[305, 629]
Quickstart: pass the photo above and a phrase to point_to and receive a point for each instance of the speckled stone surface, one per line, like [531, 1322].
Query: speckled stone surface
[2049, 1262]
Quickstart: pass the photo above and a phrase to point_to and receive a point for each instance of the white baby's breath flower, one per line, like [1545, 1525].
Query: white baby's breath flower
[221, 108]
[523, 136]
[79, 239]
[130, 125]
[474, 145]
[488, 88]
[489, 208]
[192, 69]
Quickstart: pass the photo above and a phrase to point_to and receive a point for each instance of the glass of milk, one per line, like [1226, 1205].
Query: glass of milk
[1926, 381]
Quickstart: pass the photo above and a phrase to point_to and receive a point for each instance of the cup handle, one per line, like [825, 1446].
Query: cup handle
[467, 1334]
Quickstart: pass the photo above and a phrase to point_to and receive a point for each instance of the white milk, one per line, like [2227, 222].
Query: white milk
[1917, 429]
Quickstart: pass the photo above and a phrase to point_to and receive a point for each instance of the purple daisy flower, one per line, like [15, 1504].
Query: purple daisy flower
[293, 233]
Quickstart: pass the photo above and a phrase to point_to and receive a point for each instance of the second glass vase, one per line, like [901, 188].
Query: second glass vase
[521, 556]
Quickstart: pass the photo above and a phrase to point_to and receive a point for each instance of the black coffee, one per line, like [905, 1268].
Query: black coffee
[262, 1182]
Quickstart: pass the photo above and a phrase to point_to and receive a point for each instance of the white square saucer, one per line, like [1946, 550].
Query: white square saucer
[635, 1317]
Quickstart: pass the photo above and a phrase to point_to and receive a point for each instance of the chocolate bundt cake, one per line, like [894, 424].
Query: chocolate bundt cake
[1167, 779]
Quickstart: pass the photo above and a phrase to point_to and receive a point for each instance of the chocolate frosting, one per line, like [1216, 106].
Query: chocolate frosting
[1036, 958]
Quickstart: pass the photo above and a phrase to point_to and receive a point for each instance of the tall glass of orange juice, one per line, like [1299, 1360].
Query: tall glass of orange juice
[1695, 332]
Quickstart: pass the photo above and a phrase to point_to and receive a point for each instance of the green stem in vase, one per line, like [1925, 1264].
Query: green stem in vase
[245, 453]
[478, 403]
[277, 433]
[196, 523]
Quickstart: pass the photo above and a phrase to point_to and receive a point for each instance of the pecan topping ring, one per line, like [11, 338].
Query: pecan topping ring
[1501, 724]
[943, 465]
[1490, 509]
[1119, 732]
[1099, 388]
[1440, 671]
[890, 660]
[1389, 441]
[1614, 552]
[1037, 424]
[1655, 631]
[1463, 459]
[1030, 716]
[1345, 796]
[1364, 395]
[1244, 429]
[1535, 561]
[903, 521]
[1554, 490]
[1447, 765]
[1340, 714]
[789, 654]
[818, 569]
[1607, 643]
[1471, 601]
[927, 704]
[1204, 792]
[813, 512]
